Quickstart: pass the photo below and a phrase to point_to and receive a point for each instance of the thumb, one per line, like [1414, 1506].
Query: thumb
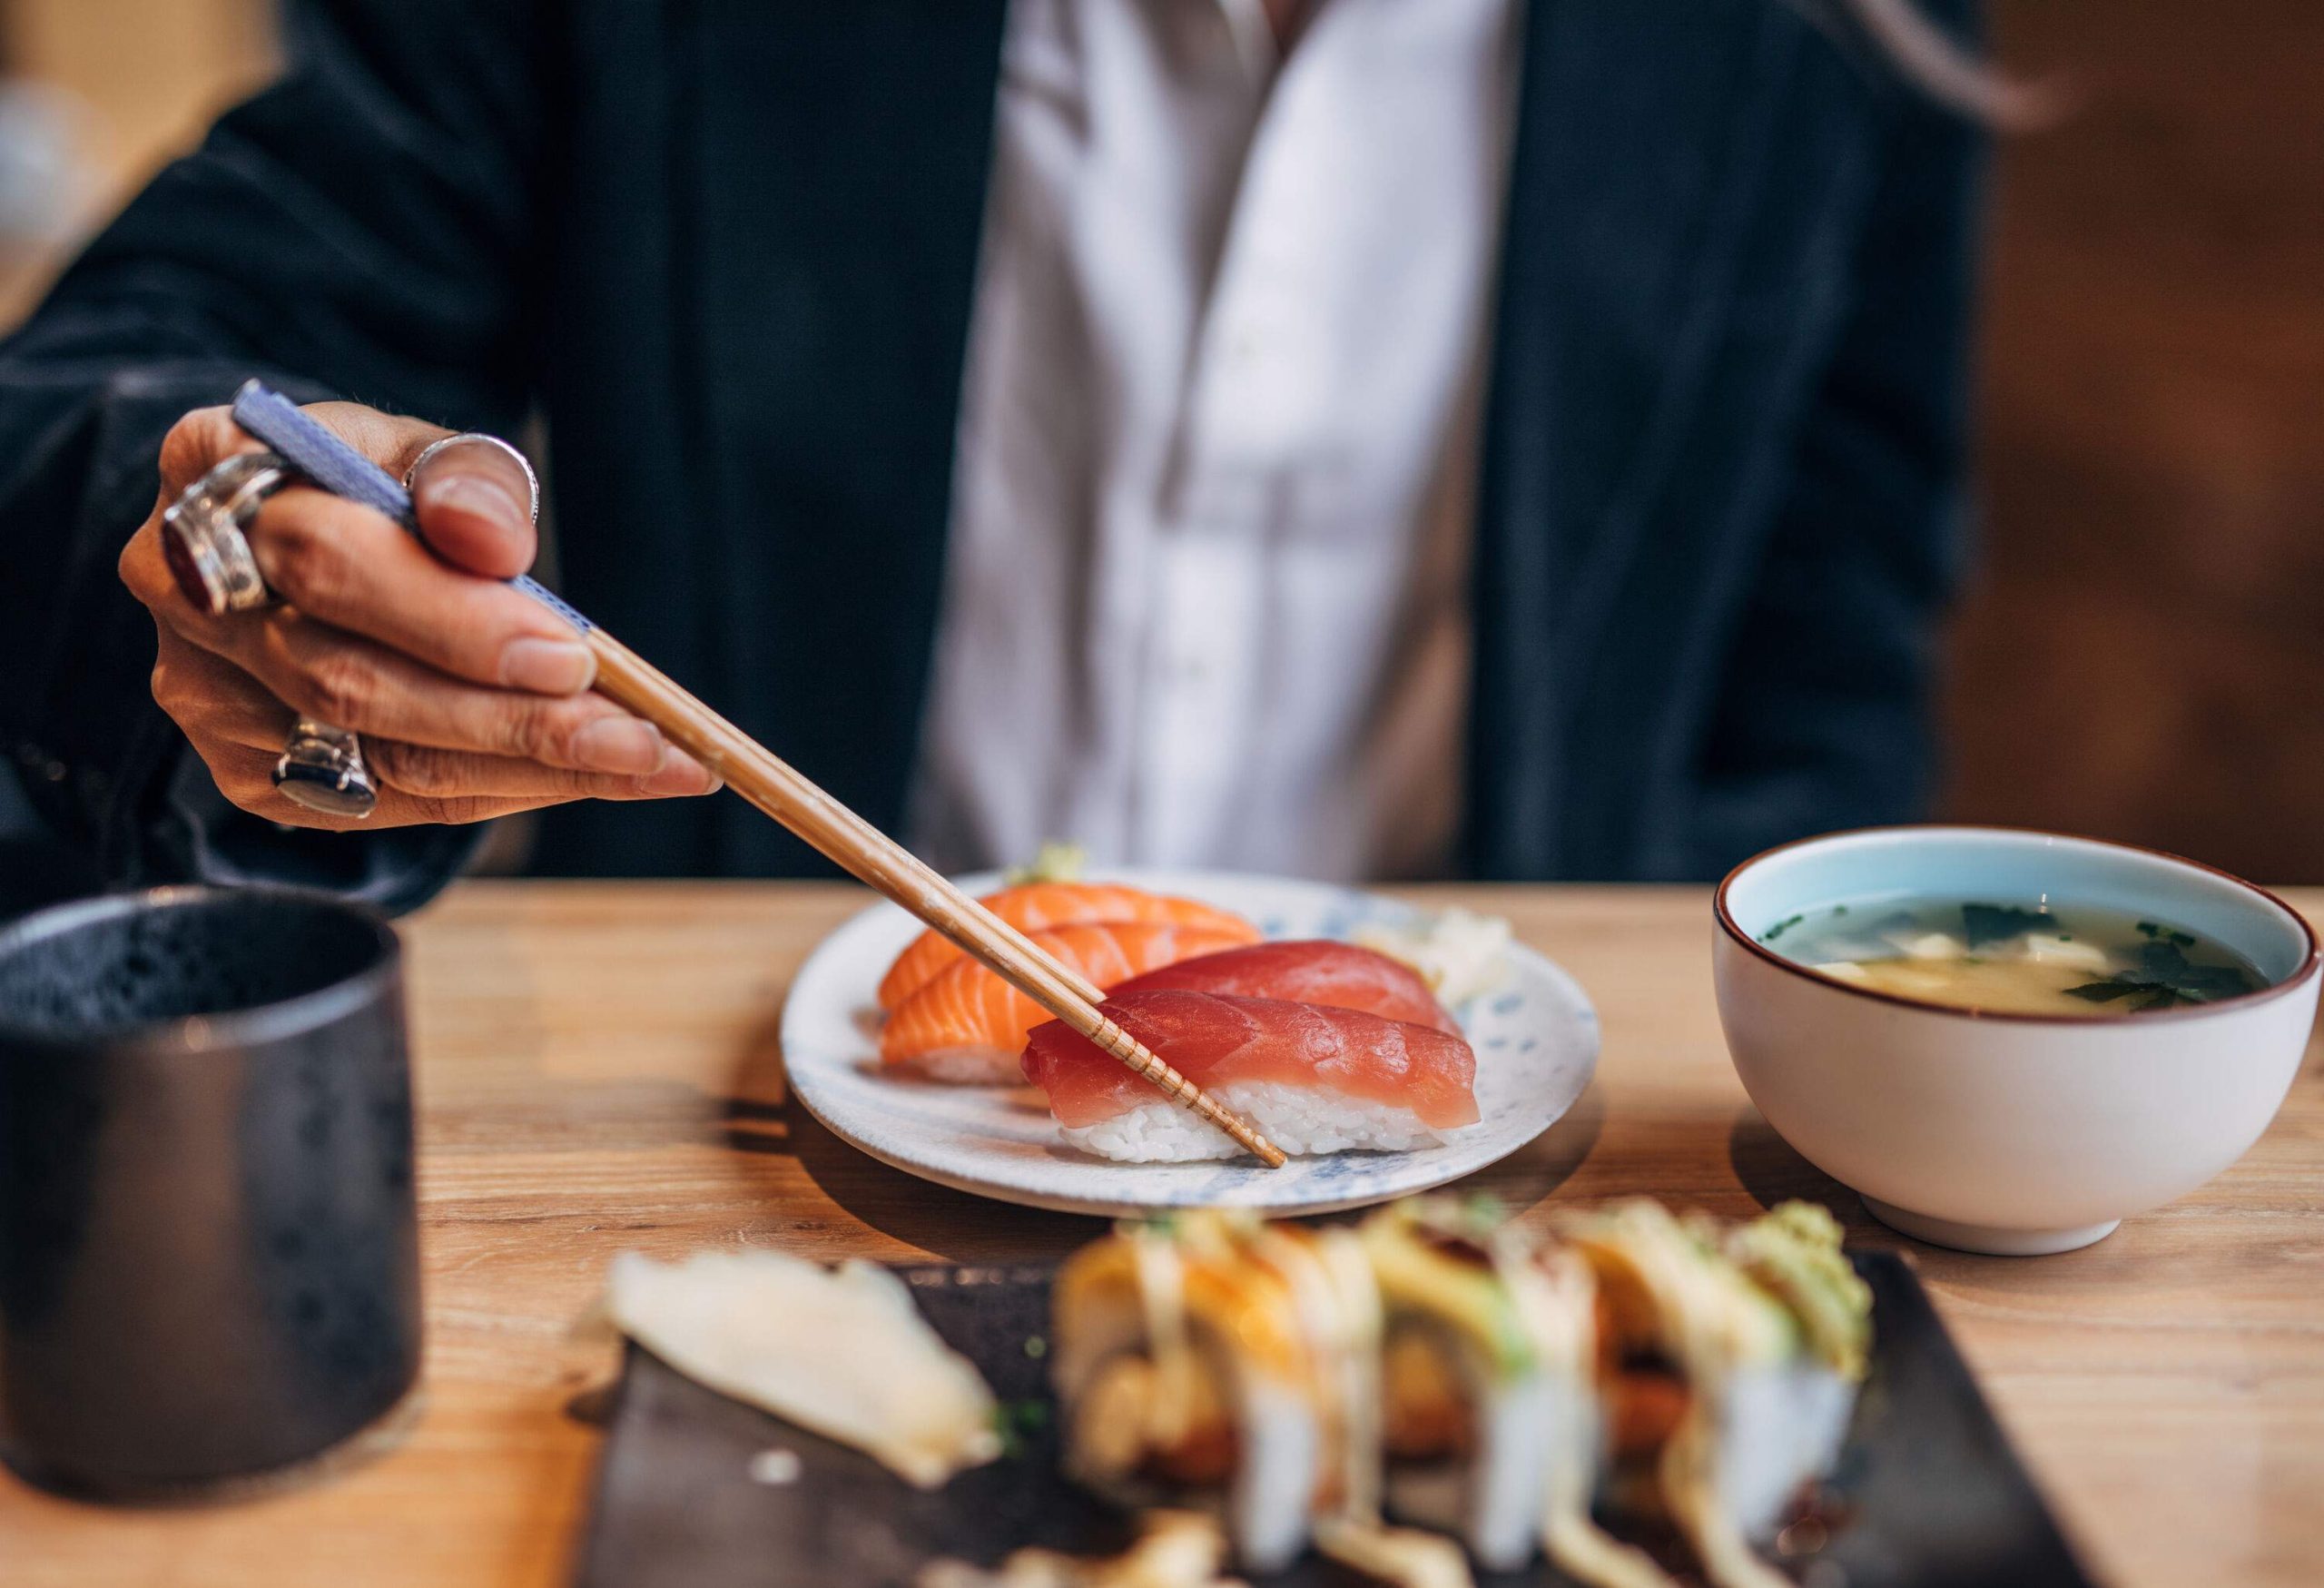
[474, 498]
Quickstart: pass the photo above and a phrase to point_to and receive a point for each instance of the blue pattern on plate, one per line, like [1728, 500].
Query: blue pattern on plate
[1542, 1035]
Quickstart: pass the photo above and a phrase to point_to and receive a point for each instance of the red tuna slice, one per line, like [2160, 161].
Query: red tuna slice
[1213, 1041]
[1316, 970]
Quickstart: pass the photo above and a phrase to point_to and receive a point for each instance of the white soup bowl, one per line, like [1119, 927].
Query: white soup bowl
[2008, 1133]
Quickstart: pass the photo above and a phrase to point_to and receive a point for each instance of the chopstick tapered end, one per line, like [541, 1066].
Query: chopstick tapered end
[1144, 1061]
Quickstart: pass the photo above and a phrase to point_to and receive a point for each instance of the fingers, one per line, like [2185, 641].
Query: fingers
[214, 702]
[469, 696]
[391, 440]
[197, 442]
[475, 503]
[207, 436]
[341, 678]
[474, 499]
[239, 678]
[451, 775]
[238, 728]
[356, 570]
[246, 778]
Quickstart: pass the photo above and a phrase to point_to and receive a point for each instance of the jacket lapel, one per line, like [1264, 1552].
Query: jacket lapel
[1638, 221]
[836, 179]
[830, 169]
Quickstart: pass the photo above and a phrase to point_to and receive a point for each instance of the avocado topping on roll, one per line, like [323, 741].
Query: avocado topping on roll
[1671, 1301]
[1434, 1255]
[1795, 1253]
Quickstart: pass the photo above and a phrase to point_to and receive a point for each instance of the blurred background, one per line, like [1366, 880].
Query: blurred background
[2140, 654]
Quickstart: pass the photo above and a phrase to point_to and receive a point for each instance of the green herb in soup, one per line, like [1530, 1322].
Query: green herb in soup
[2014, 959]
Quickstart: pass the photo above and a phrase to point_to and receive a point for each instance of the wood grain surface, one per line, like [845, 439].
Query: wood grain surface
[599, 1072]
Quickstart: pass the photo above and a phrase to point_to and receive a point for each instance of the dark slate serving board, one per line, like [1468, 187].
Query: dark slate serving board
[1929, 1494]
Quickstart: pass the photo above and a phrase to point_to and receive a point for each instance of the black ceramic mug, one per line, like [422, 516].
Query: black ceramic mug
[209, 1263]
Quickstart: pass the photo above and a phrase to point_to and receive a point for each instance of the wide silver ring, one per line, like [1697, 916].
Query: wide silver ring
[323, 769]
[532, 480]
[202, 537]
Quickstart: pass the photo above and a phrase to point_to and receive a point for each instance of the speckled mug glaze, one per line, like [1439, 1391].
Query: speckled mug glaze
[209, 1265]
[2016, 1134]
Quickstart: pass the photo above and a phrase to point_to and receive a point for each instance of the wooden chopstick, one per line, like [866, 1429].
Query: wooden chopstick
[766, 781]
[627, 678]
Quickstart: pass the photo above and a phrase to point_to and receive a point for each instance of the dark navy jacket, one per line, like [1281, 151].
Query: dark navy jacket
[725, 248]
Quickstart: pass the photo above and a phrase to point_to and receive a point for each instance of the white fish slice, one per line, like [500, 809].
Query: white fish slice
[841, 1352]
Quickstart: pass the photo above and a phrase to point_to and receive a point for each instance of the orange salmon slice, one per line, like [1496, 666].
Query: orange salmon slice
[975, 1020]
[1035, 906]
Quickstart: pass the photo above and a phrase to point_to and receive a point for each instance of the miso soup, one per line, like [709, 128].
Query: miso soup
[2014, 959]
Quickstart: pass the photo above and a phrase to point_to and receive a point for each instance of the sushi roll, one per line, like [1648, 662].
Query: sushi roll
[1038, 906]
[1485, 1383]
[1728, 1363]
[1313, 1080]
[1219, 1364]
[1490, 1424]
[1793, 1253]
[1467, 1408]
[1556, 1295]
[968, 1026]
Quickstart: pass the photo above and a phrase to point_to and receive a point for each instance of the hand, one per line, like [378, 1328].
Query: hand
[472, 698]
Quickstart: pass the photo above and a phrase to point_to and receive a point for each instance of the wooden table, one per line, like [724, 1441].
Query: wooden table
[599, 1072]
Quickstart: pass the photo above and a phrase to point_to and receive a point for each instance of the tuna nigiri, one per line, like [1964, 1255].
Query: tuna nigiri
[1032, 906]
[1339, 974]
[966, 1024]
[1313, 1080]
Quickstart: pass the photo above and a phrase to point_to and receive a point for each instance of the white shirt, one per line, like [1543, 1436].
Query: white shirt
[1206, 592]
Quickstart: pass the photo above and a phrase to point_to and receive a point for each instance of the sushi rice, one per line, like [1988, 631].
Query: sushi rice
[1304, 1122]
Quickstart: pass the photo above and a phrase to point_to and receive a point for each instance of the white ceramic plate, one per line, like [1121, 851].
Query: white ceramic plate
[1535, 1035]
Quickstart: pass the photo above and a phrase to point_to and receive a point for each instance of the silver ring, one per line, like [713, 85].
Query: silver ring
[532, 480]
[321, 766]
[323, 769]
[201, 533]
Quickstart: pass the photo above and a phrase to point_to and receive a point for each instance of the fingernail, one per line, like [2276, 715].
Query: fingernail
[547, 666]
[473, 493]
[680, 775]
[619, 744]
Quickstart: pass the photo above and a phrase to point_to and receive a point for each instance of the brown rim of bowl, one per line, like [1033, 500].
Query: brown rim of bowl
[2308, 966]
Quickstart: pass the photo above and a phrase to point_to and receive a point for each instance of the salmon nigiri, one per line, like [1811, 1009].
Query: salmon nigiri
[966, 1024]
[1317, 971]
[1031, 906]
[1313, 1080]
